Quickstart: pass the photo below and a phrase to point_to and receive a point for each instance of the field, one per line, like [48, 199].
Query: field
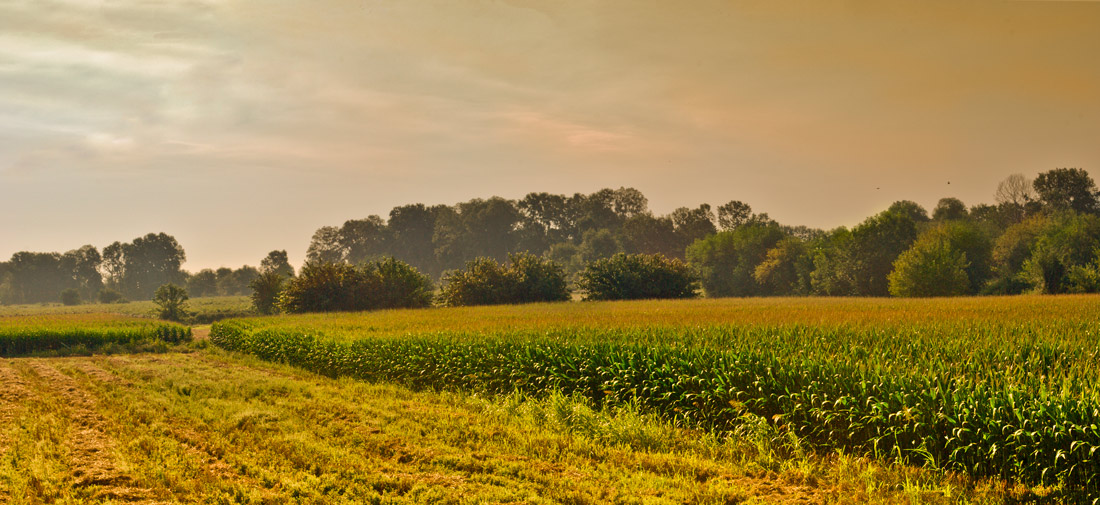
[82, 333]
[1001, 387]
[213, 427]
[205, 309]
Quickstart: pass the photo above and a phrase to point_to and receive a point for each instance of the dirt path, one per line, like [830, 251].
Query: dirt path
[93, 463]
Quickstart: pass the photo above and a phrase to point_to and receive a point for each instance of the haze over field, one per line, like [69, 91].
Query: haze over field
[242, 127]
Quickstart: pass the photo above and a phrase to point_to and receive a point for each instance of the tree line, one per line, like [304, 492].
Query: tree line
[1040, 235]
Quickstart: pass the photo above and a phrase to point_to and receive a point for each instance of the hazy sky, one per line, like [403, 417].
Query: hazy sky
[242, 126]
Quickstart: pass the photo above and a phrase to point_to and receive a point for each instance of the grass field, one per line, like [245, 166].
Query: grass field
[213, 427]
[1004, 387]
[204, 309]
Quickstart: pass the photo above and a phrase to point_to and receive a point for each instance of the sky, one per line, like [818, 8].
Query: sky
[240, 127]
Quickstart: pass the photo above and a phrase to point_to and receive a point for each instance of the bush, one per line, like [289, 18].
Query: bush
[381, 284]
[526, 279]
[727, 261]
[70, 297]
[931, 267]
[171, 302]
[265, 291]
[108, 295]
[637, 276]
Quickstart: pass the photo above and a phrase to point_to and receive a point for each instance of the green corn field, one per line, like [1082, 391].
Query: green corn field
[33, 334]
[1006, 388]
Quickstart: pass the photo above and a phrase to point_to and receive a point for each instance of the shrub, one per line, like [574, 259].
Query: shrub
[70, 296]
[932, 267]
[381, 284]
[526, 279]
[108, 295]
[265, 291]
[171, 302]
[637, 276]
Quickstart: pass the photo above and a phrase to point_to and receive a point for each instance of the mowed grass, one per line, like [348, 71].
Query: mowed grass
[213, 427]
[1006, 387]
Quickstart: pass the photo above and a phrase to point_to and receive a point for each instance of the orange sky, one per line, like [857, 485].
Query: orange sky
[240, 127]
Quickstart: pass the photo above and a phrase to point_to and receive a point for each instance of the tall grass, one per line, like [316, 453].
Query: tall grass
[26, 335]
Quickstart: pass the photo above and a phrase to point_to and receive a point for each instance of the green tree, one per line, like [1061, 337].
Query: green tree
[1069, 240]
[266, 290]
[203, 283]
[70, 296]
[150, 261]
[931, 267]
[949, 209]
[636, 277]
[277, 262]
[876, 244]
[1064, 189]
[171, 302]
[786, 268]
[727, 261]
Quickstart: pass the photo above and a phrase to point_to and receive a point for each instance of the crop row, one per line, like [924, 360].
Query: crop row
[958, 418]
[20, 336]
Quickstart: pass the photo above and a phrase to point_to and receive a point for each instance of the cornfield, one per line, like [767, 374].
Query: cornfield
[1013, 397]
[30, 334]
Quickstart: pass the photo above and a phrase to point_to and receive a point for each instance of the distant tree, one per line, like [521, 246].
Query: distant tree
[83, 267]
[1016, 199]
[325, 246]
[37, 277]
[832, 273]
[411, 230]
[599, 244]
[277, 262]
[691, 225]
[70, 296]
[151, 261]
[171, 302]
[733, 214]
[113, 266]
[910, 209]
[961, 237]
[1067, 241]
[727, 261]
[786, 268]
[362, 239]
[1010, 250]
[646, 234]
[629, 202]
[108, 295]
[949, 209]
[637, 276]
[931, 267]
[203, 283]
[568, 255]
[1067, 189]
[876, 244]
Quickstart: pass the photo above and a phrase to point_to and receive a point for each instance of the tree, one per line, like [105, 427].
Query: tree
[786, 268]
[1015, 198]
[70, 296]
[726, 261]
[411, 230]
[203, 283]
[171, 301]
[326, 246]
[910, 209]
[960, 237]
[949, 209]
[1067, 189]
[930, 268]
[266, 290]
[598, 244]
[150, 261]
[646, 234]
[733, 214]
[1069, 240]
[83, 267]
[691, 225]
[384, 283]
[362, 239]
[876, 244]
[832, 274]
[277, 262]
[637, 277]
[1011, 249]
